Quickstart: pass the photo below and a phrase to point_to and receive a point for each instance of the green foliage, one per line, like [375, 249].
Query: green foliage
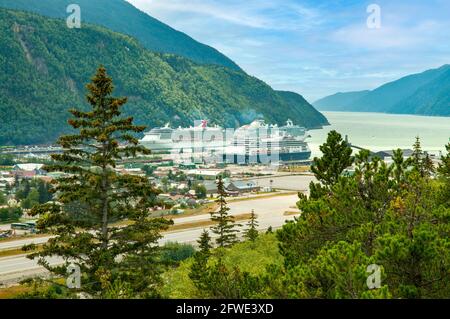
[31, 200]
[10, 214]
[200, 262]
[100, 195]
[51, 63]
[174, 253]
[33, 192]
[236, 274]
[148, 170]
[251, 233]
[43, 289]
[3, 199]
[7, 160]
[225, 229]
[200, 191]
[336, 158]
[420, 161]
[152, 33]
[392, 216]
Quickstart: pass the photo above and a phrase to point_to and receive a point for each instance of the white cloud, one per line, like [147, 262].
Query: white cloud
[257, 14]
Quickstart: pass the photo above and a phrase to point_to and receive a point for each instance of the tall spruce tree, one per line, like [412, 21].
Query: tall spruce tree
[444, 174]
[200, 264]
[225, 228]
[92, 195]
[337, 156]
[251, 232]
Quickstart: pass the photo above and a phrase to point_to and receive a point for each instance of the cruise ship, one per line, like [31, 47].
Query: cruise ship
[255, 143]
[259, 142]
[167, 139]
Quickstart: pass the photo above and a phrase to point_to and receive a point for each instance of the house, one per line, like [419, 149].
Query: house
[242, 187]
[207, 174]
[389, 154]
[28, 167]
[211, 187]
[28, 170]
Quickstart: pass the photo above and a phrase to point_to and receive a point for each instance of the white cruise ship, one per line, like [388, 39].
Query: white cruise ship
[256, 142]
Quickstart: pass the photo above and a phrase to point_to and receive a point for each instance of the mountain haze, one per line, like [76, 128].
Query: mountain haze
[44, 66]
[426, 93]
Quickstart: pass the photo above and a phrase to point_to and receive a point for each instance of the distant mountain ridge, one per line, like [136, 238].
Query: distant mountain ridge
[121, 16]
[44, 66]
[426, 93]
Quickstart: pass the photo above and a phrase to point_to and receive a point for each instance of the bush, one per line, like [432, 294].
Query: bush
[174, 253]
[10, 214]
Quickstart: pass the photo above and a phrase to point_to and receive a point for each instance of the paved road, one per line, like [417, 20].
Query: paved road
[270, 212]
[21, 242]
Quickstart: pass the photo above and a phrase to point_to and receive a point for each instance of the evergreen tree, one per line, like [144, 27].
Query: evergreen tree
[428, 166]
[44, 192]
[444, 175]
[204, 244]
[200, 191]
[225, 228]
[444, 166]
[366, 218]
[3, 199]
[416, 156]
[399, 167]
[200, 264]
[337, 156]
[31, 200]
[252, 233]
[108, 255]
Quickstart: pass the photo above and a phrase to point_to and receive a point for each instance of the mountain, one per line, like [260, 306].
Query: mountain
[426, 93]
[339, 101]
[308, 111]
[121, 16]
[432, 98]
[44, 66]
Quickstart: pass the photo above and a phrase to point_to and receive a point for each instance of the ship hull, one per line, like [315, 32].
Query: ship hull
[262, 159]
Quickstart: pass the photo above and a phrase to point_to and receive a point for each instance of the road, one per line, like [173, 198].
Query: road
[270, 212]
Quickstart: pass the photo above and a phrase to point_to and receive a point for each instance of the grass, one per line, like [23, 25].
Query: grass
[205, 223]
[290, 213]
[296, 169]
[203, 209]
[248, 256]
[5, 240]
[16, 252]
[13, 291]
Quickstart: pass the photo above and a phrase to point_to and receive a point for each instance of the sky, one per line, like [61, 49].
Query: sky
[317, 47]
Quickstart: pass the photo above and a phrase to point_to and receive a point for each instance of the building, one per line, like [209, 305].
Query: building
[28, 170]
[207, 174]
[389, 154]
[242, 187]
[211, 187]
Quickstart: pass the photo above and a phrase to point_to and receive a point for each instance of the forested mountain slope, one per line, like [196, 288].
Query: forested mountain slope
[121, 16]
[44, 66]
[425, 93]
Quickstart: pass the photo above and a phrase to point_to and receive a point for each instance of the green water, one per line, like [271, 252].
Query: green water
[378, 131]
